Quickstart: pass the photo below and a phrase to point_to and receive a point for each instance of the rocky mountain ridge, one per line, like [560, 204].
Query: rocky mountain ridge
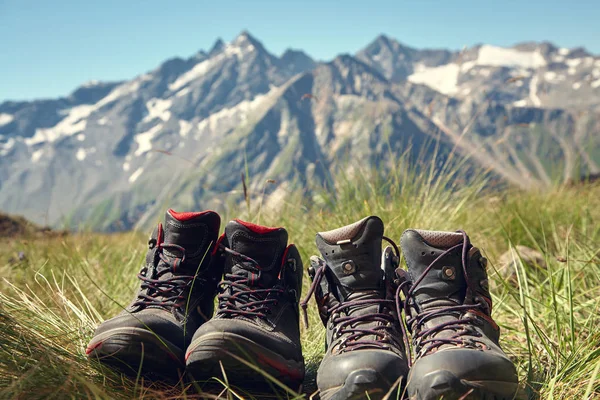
[111, 155]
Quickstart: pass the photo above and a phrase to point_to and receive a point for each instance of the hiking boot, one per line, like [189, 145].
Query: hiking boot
[255, 329]
[178, 286]
[448, 311]
[354, 289]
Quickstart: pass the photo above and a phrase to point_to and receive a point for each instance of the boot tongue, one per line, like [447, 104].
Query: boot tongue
[353, 255]
[194, 231]
[444, 284]
[263, 244]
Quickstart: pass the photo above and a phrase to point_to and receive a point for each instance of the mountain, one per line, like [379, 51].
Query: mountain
[526, 75]
[112, 155]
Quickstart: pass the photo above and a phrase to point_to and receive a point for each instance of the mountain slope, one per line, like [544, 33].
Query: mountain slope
[111, 156]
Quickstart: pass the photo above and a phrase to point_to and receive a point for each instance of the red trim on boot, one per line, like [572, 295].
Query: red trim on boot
[261, 230]
[217, 244]
[284, 259]
[186, 216]
[160, 234]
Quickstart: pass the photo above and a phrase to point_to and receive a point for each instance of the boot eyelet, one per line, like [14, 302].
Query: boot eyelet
[348, 267]
[448, 273]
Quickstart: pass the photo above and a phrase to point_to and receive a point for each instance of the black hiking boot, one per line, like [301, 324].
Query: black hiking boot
[448, 311]
[355, 291]
[179, 281]
[255, 329]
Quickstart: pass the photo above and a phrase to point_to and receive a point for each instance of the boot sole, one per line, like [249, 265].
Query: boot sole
[444, 384]
[206, 354]
[358, 385]
[135, 351]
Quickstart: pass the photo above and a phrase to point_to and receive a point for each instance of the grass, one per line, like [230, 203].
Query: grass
[51, 301]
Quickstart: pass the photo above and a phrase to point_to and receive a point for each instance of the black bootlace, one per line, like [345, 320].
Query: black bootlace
[350, 325]
[159, 291]
[241, 294]
[424, 341]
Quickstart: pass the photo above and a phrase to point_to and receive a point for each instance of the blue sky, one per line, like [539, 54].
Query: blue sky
[49, 47]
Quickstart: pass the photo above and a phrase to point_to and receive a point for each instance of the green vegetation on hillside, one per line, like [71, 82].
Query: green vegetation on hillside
[51, 300]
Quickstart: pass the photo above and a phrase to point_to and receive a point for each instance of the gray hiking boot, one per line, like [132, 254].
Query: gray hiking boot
[256, 326]
[355, 293]
[448, 311]
[176, 295]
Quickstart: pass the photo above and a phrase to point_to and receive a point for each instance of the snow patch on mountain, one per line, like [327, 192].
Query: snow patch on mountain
[184, 127]
[75, 122]
[76, 117]
[144, 140]
[196, 72]
[233, 116]
[238, 49]
[467, 65]
[6, 119]
[552, 76]
[136, 175]
[533, 90]
[7, 147]
[36, 155]
[123, 90]
[182, 92]
[158, 108]
[503, 57]
[81, 154]
[444, 78]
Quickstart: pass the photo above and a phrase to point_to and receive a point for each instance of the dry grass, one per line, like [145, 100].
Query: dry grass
[51, 301]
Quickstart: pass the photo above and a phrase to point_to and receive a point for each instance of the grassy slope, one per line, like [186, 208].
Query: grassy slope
[50, 302]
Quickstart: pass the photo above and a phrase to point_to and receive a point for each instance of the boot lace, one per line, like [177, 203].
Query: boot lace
[241, 294]
[165, 292]
[355, 336]
[424, 339]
